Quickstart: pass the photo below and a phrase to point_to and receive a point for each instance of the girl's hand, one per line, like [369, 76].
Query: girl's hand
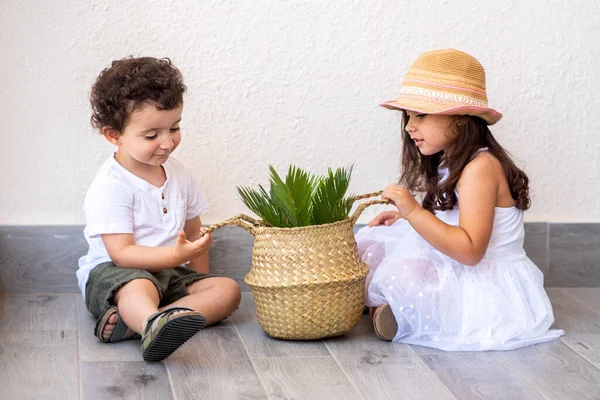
[184, 250]
[386, 218]
[402, 199]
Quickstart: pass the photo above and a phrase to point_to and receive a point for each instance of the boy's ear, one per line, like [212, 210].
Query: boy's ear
[112, 135]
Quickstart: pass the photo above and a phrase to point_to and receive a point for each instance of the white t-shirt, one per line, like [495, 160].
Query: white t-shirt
[121, 202]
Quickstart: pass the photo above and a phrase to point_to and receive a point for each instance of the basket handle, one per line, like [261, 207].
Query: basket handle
[364, 205]
[248, 223]
[243, 221]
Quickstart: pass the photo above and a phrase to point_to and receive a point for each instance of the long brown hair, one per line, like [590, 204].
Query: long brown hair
[420, 173]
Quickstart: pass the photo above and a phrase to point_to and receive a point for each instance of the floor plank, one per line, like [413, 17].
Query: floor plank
[125, 380]
[214, 365]
[556, 371]
[91, 349]
[481, 375]
[38, 359]
[571, 315]
[587, 345]
[589, 296]
[39, 312]
[384, 370]
[304, 378]
[259, 344]
[38, 365]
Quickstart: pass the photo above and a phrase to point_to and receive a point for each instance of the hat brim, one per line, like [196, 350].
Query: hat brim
[489, 115]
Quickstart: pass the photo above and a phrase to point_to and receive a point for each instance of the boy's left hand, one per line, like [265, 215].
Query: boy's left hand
[402, 199]
[187, 250]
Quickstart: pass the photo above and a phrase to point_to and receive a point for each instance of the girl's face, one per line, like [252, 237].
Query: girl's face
[149, 137]
[431, 133]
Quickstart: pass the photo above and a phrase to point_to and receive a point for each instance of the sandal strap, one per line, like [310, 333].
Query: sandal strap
[101, 323]
[164, 318]
[121, 331]
[167, 332]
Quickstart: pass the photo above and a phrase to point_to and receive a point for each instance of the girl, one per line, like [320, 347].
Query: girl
[440, 277]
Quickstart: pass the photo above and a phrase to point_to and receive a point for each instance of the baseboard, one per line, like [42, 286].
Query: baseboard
[43, 259]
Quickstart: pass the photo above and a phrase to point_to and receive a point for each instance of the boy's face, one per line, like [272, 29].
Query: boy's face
[149, 137]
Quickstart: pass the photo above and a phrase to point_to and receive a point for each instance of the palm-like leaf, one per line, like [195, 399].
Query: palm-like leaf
[260, 203]
[302, 200]
[329, 204]
[301, 187]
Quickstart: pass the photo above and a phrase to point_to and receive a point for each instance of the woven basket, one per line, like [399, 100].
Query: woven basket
[307, 282]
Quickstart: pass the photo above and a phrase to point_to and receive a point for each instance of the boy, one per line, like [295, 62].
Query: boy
[142, 218]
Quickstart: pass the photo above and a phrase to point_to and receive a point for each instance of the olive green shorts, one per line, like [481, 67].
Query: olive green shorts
[106, 278]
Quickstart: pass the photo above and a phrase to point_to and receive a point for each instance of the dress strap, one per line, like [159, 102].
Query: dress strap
[479, 151]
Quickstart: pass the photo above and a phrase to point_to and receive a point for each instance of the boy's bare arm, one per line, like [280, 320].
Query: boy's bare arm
[192, 230]
[126, 254]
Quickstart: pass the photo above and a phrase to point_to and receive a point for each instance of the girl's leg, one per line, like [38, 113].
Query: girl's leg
[216, 298]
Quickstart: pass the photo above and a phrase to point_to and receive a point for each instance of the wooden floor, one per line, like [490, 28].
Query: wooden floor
[48, 351]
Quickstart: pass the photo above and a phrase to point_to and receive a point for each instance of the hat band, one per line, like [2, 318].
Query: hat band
[462, 89]
[440, 97]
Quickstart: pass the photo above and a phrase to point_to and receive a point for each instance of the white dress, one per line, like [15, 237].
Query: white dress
[499, 304]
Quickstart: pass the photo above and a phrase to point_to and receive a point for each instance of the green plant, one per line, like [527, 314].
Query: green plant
[303, 199]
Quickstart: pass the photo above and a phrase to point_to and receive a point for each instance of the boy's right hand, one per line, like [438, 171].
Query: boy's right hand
[385, 218]
[184, 250]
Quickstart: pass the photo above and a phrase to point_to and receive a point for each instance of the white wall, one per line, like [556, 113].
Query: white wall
[294, 82]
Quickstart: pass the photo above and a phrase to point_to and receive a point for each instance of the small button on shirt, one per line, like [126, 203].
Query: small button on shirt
[121, 202]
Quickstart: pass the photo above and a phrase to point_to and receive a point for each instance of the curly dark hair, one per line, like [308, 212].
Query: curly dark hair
[129, 84]
[420, 172]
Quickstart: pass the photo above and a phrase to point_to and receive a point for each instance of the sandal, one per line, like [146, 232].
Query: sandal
[121, 331]
[166, 331]
[384, 322]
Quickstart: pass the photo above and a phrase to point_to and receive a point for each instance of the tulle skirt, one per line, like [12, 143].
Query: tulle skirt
[499, 304]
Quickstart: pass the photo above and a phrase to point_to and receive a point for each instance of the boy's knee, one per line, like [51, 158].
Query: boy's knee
[135, 287]
[226, 288]
[231, 290]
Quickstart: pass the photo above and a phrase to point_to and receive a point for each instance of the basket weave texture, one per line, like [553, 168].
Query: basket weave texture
[307, 282]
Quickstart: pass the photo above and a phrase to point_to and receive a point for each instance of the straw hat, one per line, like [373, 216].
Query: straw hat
[445, 82]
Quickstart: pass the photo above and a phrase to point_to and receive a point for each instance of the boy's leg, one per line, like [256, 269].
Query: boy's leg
[215, 297]
[137, 300]
[106, 284]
